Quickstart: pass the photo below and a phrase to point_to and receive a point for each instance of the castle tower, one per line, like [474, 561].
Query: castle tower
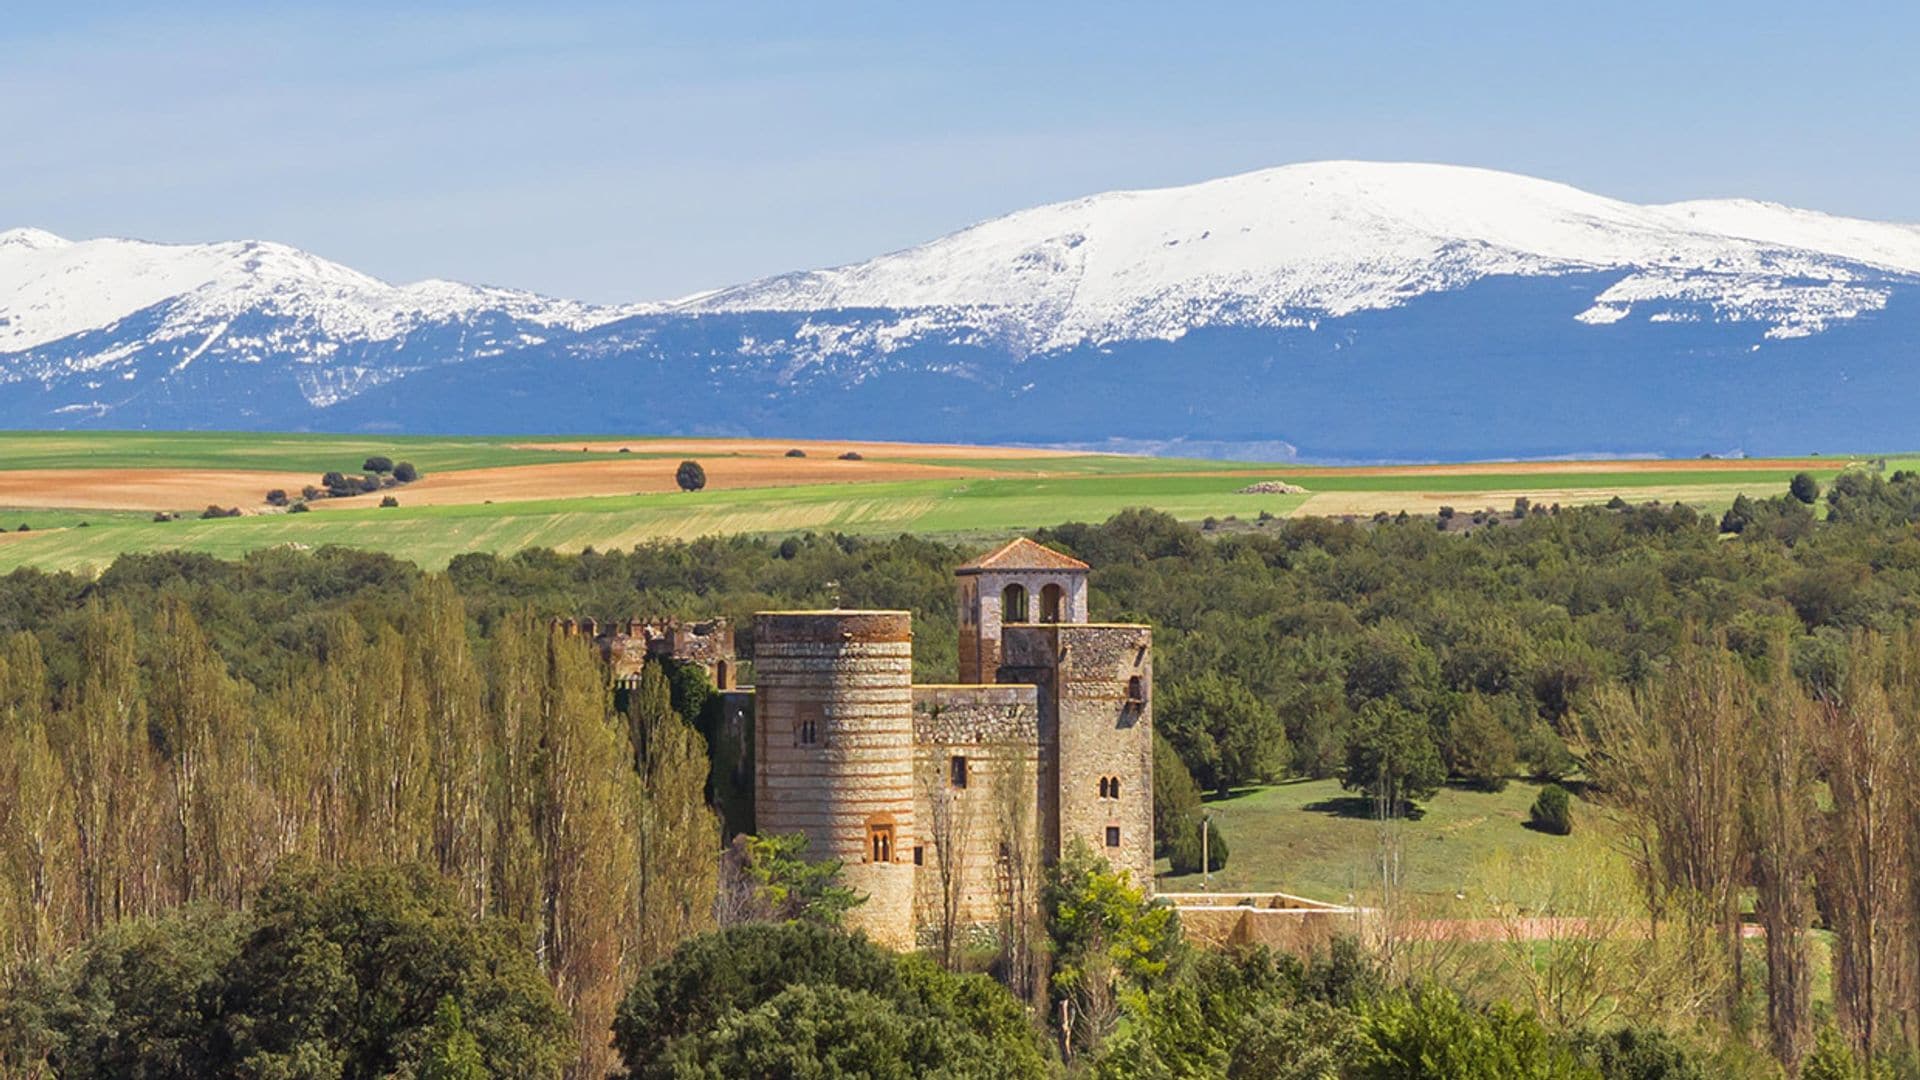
[1019, 582]
[1096, 736]
[834, 740]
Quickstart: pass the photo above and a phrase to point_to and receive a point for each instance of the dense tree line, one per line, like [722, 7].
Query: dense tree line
[150, 777]
[180, 726]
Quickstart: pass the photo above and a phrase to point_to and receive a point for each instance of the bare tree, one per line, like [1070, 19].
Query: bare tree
[1861, 867]
[1017, 874]
[1667, 761]
[949, 829]
[1781, 819]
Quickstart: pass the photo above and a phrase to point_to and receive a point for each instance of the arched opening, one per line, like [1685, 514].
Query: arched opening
[720, 676]
[1013, 604]
[1051, 600]
[880, 839]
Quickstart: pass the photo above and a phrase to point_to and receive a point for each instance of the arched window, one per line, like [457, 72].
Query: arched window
[1013, 604]
[1136, 691]
[880, 839]
[720, 676]
[1109, 787]
[957, 771]
[1051, 599]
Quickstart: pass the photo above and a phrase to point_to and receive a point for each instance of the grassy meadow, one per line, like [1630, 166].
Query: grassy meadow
[1314, 839]
[973, 492]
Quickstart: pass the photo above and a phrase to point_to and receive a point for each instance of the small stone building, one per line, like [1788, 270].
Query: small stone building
[945, 802]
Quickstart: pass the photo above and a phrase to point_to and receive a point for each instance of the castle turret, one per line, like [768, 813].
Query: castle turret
[1019, 582]
[1096, 736]
[834, 740]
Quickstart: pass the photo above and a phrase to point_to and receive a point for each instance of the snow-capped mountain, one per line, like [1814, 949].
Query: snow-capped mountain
[1285, 245]
[1349, 310]
[124, 317]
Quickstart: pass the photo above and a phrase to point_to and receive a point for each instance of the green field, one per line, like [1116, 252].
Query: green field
[1030, 492]
[1313, 839]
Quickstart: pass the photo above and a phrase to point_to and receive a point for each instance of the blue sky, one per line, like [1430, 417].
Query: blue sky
[627, 152]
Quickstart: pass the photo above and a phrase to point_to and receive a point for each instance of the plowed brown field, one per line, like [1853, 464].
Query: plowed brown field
[142, 489]
[630, 476]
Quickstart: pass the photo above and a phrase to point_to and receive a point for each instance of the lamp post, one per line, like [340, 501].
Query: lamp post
[1206, 860]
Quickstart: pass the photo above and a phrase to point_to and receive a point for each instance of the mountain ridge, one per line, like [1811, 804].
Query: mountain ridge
[1290, 306]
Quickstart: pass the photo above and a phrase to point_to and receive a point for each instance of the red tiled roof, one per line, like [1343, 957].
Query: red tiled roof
[1022, 554]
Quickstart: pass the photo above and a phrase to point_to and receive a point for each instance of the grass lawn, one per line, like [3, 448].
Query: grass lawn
[1313, 839]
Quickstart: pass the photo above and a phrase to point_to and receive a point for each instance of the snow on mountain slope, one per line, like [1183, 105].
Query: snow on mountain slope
[111, 321]
[1290, 245]
[51, 288]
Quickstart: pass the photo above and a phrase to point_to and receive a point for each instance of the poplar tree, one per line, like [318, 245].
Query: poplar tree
[677, 834]
[450, 700]
[101, 741]
[1860, 752]
[583, 817]
[391, 750]
[38, 891]
[1781, 823]
[515, 704]
[196, 717]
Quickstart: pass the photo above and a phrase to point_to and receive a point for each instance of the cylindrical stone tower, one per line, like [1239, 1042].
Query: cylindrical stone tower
[834, 739]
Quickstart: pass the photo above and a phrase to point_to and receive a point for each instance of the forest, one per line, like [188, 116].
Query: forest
[222, 776]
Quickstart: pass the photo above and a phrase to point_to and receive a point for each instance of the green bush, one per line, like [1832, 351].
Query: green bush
[1183, 851]
[1552, 811]
[1430, 1034]
[405, 472]
[1642, 1054]
[799, 1000]
[331, 972]
[690, 476]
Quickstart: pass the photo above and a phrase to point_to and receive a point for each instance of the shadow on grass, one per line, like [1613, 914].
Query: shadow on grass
[1229, 796]
[1358, 807]
[1534, 826]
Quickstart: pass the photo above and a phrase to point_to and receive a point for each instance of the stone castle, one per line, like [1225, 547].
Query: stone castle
[942, 802]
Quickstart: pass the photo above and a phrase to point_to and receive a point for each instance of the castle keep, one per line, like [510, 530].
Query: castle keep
[944, 801]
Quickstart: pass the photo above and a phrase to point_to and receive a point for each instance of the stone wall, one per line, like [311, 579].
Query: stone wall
[976, 830]
[835, 750]
[1096, 730]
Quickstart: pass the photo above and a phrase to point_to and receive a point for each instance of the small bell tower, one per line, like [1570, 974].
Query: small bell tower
[1017, 584]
